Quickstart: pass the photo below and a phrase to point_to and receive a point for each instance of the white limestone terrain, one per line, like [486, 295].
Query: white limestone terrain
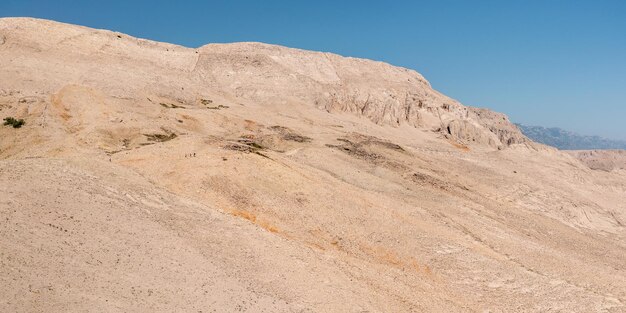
[246, 177]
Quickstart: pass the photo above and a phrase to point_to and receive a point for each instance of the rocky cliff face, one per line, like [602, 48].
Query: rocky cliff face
[385, 94]
[505, 131]
[382, 93]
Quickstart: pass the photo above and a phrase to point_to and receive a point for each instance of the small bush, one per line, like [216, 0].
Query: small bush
[171, 106]
[218, 107]
[160, 137]
[16, 123]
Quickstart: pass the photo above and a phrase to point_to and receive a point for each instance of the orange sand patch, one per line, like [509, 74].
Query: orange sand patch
[253, 218]
[459, 146]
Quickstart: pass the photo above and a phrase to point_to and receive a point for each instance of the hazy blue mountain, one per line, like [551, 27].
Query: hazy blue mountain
[567, 140]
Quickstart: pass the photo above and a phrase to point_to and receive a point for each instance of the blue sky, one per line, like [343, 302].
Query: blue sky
[548, 63]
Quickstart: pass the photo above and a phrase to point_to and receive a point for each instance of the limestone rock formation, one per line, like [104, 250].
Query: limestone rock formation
[499, 124]
[385, 94]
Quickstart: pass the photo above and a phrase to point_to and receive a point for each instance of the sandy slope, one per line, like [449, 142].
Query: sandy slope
[249, 177]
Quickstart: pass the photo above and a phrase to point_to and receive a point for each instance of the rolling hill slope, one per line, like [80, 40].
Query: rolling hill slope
[259, 178]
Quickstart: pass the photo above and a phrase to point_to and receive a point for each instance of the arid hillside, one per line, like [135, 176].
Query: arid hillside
[255, 178]
[605, 160]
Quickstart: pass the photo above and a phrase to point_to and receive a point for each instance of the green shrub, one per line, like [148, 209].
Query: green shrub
[16, 123]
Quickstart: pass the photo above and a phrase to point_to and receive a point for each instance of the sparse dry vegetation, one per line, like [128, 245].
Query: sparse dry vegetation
[218, 107]
[246, 145]
[16, 123]
[171, 105]
[156, 137]
[207, 102]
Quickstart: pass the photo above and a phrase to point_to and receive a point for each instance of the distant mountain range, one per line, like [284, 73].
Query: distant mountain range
[567, 140]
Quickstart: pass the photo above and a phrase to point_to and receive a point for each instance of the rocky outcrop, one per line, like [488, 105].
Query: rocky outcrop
[469, 131]
[385, 94]
[499, 124]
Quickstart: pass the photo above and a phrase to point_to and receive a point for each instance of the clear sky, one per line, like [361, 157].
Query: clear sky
[544, 62]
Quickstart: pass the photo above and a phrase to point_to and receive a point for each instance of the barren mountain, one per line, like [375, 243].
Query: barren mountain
[566, 140]
[259, 178]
